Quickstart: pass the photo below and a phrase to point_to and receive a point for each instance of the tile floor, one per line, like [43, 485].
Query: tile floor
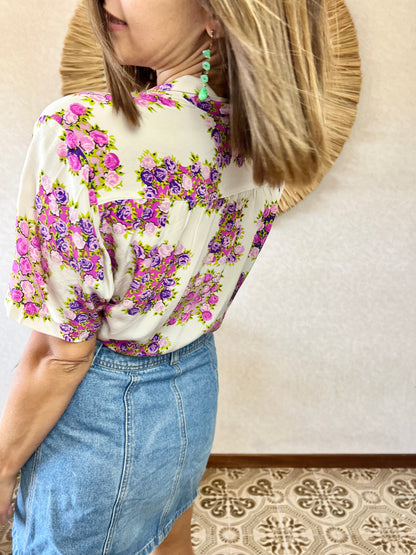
[301, 511]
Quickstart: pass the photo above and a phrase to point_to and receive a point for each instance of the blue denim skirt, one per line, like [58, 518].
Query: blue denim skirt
[126, 458]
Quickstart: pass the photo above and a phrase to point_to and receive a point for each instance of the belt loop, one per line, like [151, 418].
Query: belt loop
[98, 347]
[174, 357]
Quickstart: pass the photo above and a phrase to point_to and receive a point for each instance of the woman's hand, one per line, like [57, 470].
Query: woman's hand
[6, 493]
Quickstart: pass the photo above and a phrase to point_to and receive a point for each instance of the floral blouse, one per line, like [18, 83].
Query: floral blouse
[142, 236]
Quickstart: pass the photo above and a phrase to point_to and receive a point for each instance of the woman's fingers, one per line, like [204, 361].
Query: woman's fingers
[6, 494]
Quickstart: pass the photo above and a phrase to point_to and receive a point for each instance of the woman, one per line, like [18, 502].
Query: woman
[140, 215]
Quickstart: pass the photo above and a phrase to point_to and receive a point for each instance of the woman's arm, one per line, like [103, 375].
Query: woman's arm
[45, 381]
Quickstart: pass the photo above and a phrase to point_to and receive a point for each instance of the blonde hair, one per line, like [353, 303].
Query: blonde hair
[277, 54]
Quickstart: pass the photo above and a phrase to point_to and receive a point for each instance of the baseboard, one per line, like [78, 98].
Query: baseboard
[316, 461]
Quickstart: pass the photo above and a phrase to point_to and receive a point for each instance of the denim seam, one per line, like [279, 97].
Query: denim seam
[125, 475]
[32, 487]
[214, 361]
[184, 443]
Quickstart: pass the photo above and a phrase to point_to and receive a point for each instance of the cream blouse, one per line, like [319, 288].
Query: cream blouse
[142, 236]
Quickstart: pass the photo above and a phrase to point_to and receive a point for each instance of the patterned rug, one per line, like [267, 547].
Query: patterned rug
[301, 511]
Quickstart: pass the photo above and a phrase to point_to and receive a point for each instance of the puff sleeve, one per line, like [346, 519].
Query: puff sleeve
[61, 279]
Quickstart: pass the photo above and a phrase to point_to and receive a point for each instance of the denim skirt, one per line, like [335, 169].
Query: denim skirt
[125, 459]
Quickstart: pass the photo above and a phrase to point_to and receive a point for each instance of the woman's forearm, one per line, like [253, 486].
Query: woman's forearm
[44, 384]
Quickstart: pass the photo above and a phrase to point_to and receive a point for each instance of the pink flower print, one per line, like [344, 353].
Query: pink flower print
[70, 117]
[100, 138]
[206, 172]
[165, 205]
[61, 150]
[254, 252]
[213, 299]
[39, 279]
[266, 212]
[198, 281]
[72, 140]
[222, 261]
[78, 240]
[22, 246]
[111, 161]
[239, 249]
[73, 214]
[92, 197]
[53, 207]
[85, 173]
[34, 254]
[179, 249]
[149, 97]
[167, 101]
[185, 316]
[141, 102]
[172, 321]
[89, 281]
[56, 257]
[16, 295]
[150, 228]
[187, 183]
[119, 229]
[31, 309]
[163, 342]
[206, 315]
[147, 262]
[87, 144]
[57, 118]
[209, 122]
[69, 314]
[45, 266]
[74, 162]
[148, 162]
[27, 287]
[127, 303]
[274, 208]
[165, 250]
[46, 183]
[15, 267]
[159, 306]
[24, 228]
[78, 109]
[25, 266]
[225, 109]
[44, 311]
[112, 179]
[260, 225]
[209, 259]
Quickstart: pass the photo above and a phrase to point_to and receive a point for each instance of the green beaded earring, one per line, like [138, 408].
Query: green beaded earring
[206, 66]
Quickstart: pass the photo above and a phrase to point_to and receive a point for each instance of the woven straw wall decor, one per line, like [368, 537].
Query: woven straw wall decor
[82, 69]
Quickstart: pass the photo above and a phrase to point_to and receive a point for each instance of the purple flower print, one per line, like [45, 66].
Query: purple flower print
[86, 265]
[191, 202]
[92, 243]
[111, 161]
[124, 213]
[81, 318]
[163, 220]
[100, 275]
[167, 101]
[77, 109]
[61, 195]
[216, 135]
[147, 213]
[156, 260]
[202, 190]
[63, 245]
[215, 175]
[138, 250]
[165, 294]
[78, 292]
[174, 187]
[165, 87]
[147, 177]
[65, 328]
[229, 226]
[86, 225]
[75, 305]
[226, 158]
[60, 227]
[170, 165]
[196, 168]
[74, 264]
[74, 162]
[38, 203]
[240, 160]
[151, 192]
[135, 284]
[100, 138]
[183, 259]
[169, 282]
[161, 174]
[133, 311]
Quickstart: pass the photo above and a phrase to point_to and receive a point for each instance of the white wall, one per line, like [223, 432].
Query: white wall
[318, 352]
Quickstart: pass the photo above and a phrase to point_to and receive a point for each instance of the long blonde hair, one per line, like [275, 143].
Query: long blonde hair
[277, 54]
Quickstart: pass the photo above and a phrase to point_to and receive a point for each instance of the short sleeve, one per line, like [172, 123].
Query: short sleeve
[61, 280]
